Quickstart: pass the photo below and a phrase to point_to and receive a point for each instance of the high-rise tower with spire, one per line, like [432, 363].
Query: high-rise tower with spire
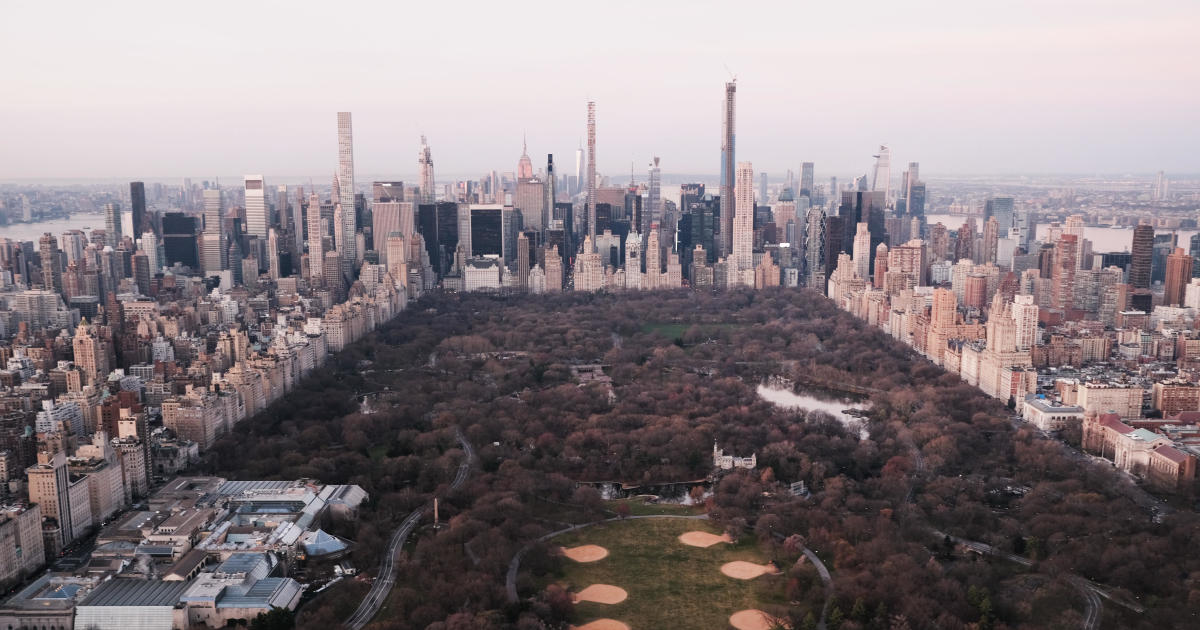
[425, 166]
[591, 173]
[728, 137]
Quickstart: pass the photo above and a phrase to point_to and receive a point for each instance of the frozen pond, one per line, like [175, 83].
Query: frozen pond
[784, 397]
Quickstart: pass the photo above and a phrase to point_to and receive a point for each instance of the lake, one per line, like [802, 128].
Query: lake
[837, 407]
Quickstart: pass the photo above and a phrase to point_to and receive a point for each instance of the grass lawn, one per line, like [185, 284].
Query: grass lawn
[675, 330]
[670, 585]
[639, 507]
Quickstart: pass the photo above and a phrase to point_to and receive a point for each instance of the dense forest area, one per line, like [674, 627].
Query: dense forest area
[684, 366]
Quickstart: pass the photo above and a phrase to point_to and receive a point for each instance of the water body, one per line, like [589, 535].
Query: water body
[837, 407]
[34, 231]
[1104, 239]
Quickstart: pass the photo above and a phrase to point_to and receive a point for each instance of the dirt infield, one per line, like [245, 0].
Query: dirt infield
[586, 553]
[602, 624]
[703, 539]
[601, 594]
[746, 570]
[752, 619]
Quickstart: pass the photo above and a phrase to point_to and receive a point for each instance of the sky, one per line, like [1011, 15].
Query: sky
[172, 89]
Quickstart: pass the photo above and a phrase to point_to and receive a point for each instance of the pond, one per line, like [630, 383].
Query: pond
[779, 393]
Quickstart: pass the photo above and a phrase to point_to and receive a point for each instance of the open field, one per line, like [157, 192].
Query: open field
[670, 585]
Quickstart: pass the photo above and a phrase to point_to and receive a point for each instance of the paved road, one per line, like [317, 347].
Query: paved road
[386, 578]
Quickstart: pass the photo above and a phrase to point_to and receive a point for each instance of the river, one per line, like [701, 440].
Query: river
[837, 407]
[34, 231]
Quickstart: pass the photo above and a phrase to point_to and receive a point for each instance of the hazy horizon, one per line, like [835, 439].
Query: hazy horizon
[157, 92]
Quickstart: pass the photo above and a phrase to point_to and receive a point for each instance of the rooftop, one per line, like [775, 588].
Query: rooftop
[133, 592]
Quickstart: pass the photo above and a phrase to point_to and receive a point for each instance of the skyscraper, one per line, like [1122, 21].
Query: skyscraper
[882, 180]
[548, 203]
[862, 251]
[316, 245]
[51, 265]
[530, 198]
[728, 137]
[273, 254]
[578, 180]
[1143, 256]
[806, 180]
[112, 224]
[256, 206]
[654, 199]
[743, 223]
[814, 246]
[762, 188]
[1025, 314]
[591, 173]
[214, 253]
[522, 262]
[1179, 273]
[425, 166]
[346, 246]
[1066, 251]
[1002, 209]
[1161, 187]
[137, 206]
[388, 218]
[991, 236]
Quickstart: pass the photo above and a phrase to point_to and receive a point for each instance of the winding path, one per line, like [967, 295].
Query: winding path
[386, 578]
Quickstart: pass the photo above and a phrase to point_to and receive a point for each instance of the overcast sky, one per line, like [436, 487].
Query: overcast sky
[166, 89]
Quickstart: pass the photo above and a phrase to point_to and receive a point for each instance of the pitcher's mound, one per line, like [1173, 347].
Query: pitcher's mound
[602, 594]
[742, 570]
[602, 624]
[752, 619]
[585, 553]
[703, 539]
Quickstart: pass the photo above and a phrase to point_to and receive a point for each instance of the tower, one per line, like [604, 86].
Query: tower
[345, 178]
[578, 170]
[862, 251]
[655, 194]
[591, 172]
[882, 181]
[743, 219]
[728, 137]
[1025, 313]
[273, 254]
[256, 206]
[1179, 273]
[522, 262]
[524, 164]
[814, 244]
[51, 266]
[215, 253]
[425, 166]
[112, 224]
[316, 244]
[548, 204]
[806, 180]
[1142, 256]
[137, 206]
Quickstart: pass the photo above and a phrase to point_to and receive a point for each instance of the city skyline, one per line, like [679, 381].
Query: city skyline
[965, 91]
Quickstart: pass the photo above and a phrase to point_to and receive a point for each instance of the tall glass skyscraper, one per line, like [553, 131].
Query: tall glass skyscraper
[728, 137]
